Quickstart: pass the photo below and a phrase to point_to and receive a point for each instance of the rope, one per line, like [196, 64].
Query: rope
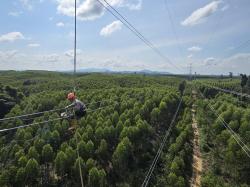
[75, 43]
[79, 164]
[236, 137]
[74, 74]
[151, 169]
[80, 169]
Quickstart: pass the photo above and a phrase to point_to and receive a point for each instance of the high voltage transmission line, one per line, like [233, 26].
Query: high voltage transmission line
[227, 91]
[158, 154]
[236, 137]
[121, 18]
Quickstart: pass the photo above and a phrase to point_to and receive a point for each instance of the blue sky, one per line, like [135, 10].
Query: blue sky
[38, 34]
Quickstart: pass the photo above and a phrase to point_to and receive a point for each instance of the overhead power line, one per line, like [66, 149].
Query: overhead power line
[47, 121]
[39, 113]
[173, 28]
[28, 115]
[236, 137]
[120, 17]
[227, 91]
[152, 167]
[242, 45]
[24, 126]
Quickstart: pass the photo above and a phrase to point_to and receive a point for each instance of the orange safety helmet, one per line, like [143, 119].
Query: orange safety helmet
[71, 96]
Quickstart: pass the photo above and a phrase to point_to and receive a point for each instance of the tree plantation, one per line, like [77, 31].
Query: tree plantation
[115, 144]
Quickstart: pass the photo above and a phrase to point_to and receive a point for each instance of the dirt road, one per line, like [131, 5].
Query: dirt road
[197, 159]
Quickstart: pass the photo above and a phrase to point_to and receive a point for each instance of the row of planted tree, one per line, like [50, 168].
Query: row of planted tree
[225, 163]
[116, 141]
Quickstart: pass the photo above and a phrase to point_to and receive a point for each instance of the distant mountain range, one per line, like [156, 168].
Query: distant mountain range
[102, 70]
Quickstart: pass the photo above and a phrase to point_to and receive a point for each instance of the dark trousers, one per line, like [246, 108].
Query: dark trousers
[80, 113]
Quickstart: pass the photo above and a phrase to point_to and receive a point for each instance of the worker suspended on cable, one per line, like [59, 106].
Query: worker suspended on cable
[76, 109]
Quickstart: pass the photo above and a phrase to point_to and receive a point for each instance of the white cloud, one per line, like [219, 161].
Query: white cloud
[29, 4]
[35, 62]
[33, 45]
[238, 63]
[194, 49]
[199, 15]
[190, 56]
[71, 34]
[115, 2]
[224, 8]
[134, 6]
[70, 53]
[87, 10]
[109, 29]
[26, 4]
[130, 4]
[238, 59]
[11, 37]
[15, 14]
[117, 63]
[92, 9]
[210, 61]
[60, 24]
[7, 54]
[51, 57]
[66, 7]
[230, 48]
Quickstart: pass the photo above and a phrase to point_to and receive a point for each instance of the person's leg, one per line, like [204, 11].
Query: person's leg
[84, 113]
[81, 113]
[78, 114]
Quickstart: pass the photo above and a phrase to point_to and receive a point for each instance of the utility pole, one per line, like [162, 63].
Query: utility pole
[75, 42]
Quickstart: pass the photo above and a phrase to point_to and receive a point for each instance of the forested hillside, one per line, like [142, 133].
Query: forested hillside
[115, 144]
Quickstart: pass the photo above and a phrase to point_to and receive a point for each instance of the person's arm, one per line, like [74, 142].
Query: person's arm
[80, 105]
[71, 105]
